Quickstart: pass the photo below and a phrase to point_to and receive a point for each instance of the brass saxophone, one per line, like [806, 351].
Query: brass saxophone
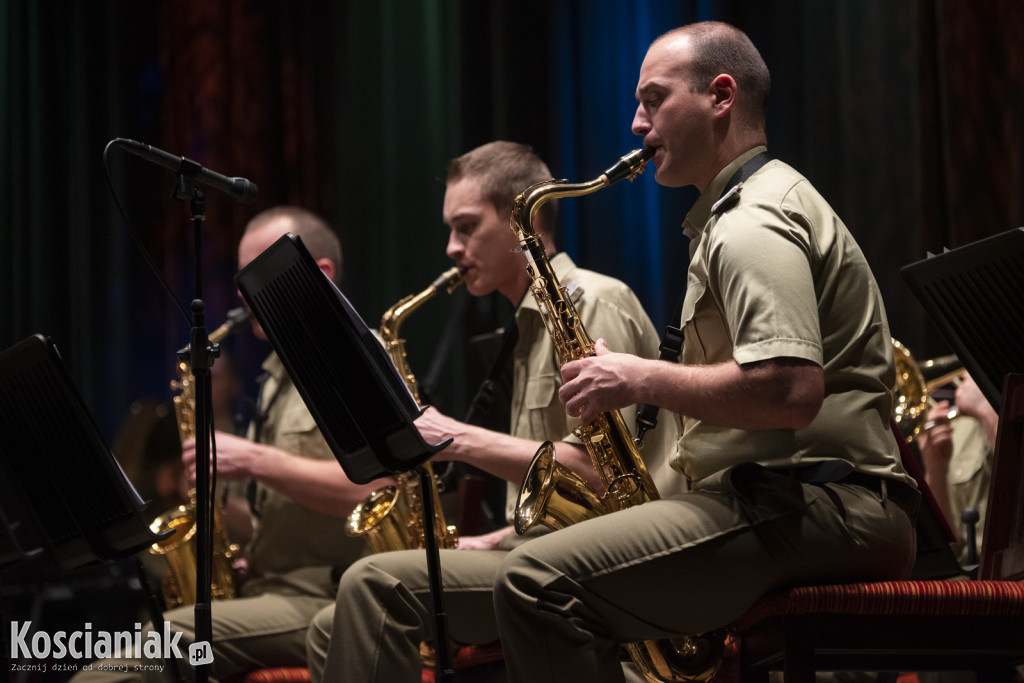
[179, 582]
[391, 518]
[551, 493]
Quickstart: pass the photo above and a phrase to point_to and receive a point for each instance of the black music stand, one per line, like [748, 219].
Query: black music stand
[353, 390]
[975, 295]
[63, 492]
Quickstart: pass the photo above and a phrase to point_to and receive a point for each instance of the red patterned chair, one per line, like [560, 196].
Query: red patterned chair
[906, 626]
[474, 664]
[284, 674]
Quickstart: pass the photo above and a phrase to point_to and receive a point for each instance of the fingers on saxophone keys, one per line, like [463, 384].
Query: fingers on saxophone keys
[943, 420]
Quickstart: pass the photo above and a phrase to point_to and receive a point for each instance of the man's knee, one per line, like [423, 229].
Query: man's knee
[515, 580]
[319, 632]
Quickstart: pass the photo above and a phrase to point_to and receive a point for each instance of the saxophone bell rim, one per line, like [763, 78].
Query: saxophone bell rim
[536, 488]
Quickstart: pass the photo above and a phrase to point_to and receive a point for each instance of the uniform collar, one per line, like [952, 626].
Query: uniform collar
[273, 366]
[702, 209]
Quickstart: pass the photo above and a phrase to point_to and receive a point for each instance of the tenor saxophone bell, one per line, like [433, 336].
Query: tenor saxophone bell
[383, 522]
[554, 495]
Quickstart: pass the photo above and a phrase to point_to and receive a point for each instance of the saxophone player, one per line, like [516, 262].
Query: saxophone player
[783, 393]
[297, 499]
[383, 610]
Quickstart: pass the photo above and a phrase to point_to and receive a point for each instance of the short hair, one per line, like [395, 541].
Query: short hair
[318, 237]
[722, 48]
[504, 169]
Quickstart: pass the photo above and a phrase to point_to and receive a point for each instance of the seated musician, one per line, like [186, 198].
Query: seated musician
[297, 500]
[384, 610]
[957, 456]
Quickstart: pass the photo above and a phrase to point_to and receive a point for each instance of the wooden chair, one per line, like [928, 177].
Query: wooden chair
[905, 626]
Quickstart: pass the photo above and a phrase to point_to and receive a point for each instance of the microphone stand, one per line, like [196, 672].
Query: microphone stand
[200, 356]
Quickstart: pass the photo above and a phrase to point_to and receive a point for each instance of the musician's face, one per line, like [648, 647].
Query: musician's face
[673, 120]
[481, 242]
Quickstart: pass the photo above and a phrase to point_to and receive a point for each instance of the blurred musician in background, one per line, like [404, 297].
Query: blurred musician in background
[294, 497]
[957, 455]
[384, 608]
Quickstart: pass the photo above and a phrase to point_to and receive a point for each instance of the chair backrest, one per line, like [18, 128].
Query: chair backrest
[1002, 551]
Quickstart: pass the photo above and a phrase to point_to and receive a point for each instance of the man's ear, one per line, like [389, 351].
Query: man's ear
[327, 266]
[723, 93]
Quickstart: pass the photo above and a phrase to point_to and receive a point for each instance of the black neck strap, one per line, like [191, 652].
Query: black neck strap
[672, 339]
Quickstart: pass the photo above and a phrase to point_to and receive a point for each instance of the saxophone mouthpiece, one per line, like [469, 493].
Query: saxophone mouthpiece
[238, 316]
[629, 166]
[449, 280]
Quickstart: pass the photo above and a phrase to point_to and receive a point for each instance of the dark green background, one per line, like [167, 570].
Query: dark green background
[906, 114]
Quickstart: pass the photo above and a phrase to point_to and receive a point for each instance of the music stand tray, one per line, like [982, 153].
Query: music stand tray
[975, 295]
[356, 396]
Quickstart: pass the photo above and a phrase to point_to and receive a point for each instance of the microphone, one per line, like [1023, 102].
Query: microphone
[239, 189]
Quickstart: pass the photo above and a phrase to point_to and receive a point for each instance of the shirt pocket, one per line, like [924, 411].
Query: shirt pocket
[694, 291]
[694, 322]
[296, 432]
[544, 412]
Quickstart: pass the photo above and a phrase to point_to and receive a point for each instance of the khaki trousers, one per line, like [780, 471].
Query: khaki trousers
[562, 603]
[260, 631]
[686, 565]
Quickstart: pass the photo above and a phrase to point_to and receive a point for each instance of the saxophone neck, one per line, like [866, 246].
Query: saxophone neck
[529, 201]
[393, 318]
[236, 318]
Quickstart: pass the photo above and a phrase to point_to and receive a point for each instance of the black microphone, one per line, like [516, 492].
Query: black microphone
[239, 189]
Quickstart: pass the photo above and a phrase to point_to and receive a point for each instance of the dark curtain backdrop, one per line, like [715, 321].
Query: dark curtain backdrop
[907, 114]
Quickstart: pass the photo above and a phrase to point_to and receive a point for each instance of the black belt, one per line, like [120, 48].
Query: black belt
[905, 496]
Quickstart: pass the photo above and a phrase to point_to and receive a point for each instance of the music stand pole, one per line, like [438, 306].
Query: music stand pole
[444, 670]
[156, 616]
[200, 358]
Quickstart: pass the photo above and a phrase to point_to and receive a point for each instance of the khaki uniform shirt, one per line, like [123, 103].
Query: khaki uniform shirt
[774, 273]
[970, 473]
[609, 310]
[288, 536]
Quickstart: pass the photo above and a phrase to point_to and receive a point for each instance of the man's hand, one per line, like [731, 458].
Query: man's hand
[936, 443]
[489, 541]
[435, 426]
[970, 400]
[598, 384]
[235, 457]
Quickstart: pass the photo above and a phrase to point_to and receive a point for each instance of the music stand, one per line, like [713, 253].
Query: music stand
[354, 392]
[64, 492]
[974, 295]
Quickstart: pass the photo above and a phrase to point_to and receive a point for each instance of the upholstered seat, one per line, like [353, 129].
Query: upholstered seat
[464, 658]
[907, 625]
[284, 674]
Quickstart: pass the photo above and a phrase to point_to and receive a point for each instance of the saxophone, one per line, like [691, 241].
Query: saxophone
[551, 493]
[179, 549]
[391, 517]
